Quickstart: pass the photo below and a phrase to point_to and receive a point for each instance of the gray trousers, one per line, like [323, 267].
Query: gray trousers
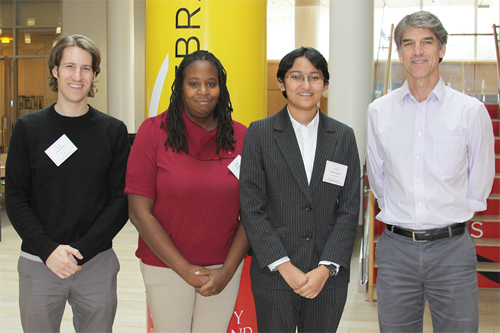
[91, 293]
[443, 272]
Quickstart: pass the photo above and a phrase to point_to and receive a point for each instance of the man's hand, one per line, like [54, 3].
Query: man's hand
[62, 261]
[292, 275]
[316, 280]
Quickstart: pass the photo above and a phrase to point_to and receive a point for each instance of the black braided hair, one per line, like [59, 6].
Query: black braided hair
[176, 136]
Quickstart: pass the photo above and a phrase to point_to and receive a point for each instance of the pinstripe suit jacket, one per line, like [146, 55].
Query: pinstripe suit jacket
[285, 216]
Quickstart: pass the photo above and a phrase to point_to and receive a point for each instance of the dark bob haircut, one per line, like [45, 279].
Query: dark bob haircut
[316, 59]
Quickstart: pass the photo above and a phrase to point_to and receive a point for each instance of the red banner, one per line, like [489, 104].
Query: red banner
[244, 319]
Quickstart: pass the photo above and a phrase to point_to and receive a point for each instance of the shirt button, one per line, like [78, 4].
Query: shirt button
[308, 208]
[419, 134]
[418, 157]
[419, 204]
[418, 180]
[229, 153]
[308, 237]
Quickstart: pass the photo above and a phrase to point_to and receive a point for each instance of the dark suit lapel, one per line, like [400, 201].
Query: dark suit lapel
[286, 141]
[326, 140]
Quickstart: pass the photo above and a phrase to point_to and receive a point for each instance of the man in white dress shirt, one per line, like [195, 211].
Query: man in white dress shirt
[430, 161]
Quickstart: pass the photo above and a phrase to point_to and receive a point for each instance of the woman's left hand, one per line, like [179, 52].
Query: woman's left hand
[218, 278]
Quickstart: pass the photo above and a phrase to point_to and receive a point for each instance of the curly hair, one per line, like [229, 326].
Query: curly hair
[176, 135]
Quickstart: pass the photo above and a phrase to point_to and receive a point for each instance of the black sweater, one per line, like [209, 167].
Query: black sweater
[81, 203]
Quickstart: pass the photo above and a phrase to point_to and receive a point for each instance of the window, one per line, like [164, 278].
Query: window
[28, 30]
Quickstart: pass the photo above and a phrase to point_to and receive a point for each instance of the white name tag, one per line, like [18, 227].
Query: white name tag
[60, 150]
[335, 173]
[234, 166]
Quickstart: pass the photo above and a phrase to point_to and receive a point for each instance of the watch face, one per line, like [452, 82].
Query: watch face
[332, 269]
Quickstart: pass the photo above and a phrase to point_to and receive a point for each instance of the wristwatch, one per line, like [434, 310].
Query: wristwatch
[332, 268]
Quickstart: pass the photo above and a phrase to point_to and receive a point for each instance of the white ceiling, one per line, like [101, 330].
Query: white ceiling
[392, 3]
[412, 3]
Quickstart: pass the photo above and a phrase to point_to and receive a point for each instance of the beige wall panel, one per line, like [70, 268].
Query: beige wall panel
[272, 69]
[275, 101]
[88, 18]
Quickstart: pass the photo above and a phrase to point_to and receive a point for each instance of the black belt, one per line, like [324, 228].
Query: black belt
[431, 234]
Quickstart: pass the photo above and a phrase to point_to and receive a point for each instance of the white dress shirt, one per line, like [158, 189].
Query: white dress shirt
[307, 137]
[430, 164]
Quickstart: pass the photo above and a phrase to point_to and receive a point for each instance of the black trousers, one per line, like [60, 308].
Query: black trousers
[286, 311]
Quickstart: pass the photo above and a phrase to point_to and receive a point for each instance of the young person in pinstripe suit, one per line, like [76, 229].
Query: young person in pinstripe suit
[299, 192]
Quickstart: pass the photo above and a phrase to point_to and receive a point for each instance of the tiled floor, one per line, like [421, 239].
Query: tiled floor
[359, 315]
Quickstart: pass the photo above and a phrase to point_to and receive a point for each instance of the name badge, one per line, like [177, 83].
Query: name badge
[335, 173]
[234, 166]
[61, 150]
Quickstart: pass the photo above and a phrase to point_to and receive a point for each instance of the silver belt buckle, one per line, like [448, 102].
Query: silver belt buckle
[418, 232]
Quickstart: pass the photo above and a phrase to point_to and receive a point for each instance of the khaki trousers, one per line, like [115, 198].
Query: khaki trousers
[176, 307]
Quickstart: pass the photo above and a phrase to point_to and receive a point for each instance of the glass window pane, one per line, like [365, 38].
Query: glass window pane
[35, 41]
[384, 18]
[39, 13]
[6, 42]
[448, 16]
[6, 110]
[324, 32]
[486, 17]
[460, 48]
[33, 86]
[6, 11]
[280, 19]
[486, 47]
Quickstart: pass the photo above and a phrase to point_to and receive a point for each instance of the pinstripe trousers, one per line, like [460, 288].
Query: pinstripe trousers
[285, 311]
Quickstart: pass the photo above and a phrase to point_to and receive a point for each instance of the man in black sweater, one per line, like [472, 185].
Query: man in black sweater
[65, 177]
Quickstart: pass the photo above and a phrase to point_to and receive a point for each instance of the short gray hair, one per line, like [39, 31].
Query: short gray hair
[421, 19]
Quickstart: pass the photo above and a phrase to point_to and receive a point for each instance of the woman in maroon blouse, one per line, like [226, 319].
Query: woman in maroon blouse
[184, 201]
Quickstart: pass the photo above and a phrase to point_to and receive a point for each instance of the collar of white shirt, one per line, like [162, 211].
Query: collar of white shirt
[313, 125]
[439, 91]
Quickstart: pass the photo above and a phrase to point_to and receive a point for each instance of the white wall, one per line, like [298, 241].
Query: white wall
[88, 18]
[140, 62]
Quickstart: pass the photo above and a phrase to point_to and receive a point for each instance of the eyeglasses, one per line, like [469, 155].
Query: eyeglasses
[299, 78]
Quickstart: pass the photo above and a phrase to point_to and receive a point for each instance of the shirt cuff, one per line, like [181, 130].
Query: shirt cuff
[325, 262]
[476, 205]
[273, 266]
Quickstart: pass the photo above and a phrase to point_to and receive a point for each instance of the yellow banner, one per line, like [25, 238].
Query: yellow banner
[233, 30]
